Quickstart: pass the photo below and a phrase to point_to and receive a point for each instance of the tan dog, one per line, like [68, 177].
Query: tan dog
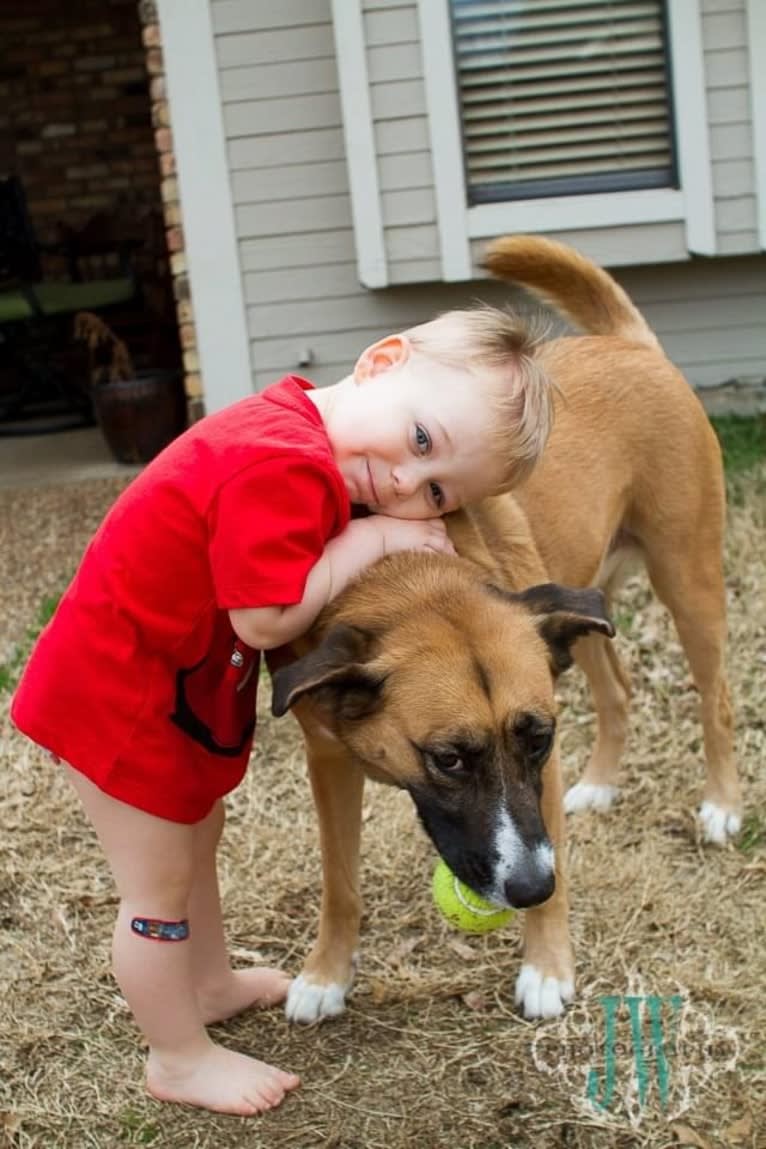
[431, 674]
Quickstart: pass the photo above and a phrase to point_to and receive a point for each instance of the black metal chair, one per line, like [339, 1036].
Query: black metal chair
[36, 393]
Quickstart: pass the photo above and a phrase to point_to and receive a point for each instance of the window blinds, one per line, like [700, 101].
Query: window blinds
[560, 96]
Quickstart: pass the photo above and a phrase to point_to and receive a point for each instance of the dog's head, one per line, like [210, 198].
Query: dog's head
[443, 684]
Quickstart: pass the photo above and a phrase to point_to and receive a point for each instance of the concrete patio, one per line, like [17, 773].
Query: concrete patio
[64, 457]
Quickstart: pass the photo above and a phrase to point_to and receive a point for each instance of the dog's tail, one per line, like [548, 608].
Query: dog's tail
[581, 291]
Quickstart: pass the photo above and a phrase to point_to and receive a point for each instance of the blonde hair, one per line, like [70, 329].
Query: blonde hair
[492, 341]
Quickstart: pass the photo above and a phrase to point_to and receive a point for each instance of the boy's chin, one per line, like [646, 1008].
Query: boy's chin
[398, 513]
[362, 510]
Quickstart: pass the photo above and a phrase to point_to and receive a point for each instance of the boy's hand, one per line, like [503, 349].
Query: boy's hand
[411, 534]
[362, 543]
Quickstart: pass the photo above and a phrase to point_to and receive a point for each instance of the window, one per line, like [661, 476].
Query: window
[563, 97]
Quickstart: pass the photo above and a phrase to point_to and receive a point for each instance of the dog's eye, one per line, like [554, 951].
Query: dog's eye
[448, 761]
[536, 737]
[540, 746]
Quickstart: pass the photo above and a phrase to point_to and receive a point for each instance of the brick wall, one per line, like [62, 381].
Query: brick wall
[74, 110]
[171, 205]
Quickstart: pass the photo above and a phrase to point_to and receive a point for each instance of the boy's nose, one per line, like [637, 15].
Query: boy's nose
[406, 481]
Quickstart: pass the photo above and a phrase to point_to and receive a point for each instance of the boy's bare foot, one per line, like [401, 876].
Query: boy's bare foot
[220, 1080]
[261, 986]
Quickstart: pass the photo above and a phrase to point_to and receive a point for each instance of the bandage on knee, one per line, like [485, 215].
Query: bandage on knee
[157, 930]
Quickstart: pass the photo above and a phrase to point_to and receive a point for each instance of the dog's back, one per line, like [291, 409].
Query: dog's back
[629, 437]
[615, 381]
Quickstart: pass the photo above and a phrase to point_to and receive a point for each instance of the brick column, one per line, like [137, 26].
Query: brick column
[171, 206]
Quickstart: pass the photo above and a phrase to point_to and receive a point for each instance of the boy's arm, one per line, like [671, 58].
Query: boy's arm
[362, 543]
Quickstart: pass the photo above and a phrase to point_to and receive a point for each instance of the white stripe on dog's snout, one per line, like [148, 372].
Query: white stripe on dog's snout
[545, 857]
[514, 857]
[508, 844]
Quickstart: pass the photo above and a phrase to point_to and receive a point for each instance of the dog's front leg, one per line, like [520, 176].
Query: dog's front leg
[546, 980]
[328, 972]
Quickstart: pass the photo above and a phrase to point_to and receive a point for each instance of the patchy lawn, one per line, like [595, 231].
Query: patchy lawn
[430, 1053]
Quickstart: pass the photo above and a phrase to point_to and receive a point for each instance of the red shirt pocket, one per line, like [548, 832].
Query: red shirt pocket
[215, 698]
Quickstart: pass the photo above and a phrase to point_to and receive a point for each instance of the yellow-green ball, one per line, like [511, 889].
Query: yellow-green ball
[463, 908]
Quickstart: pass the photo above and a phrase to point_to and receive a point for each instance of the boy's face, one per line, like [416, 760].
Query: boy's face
[410, 436]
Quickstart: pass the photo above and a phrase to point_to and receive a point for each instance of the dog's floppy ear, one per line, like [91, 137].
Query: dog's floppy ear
[564, 615]
[334, 673]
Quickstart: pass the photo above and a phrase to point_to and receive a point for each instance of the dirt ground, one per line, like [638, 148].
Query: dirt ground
[430, 1052]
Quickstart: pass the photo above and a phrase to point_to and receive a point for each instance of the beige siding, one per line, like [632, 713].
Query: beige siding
[709, 314]
[731, 141]
[289, 180]
[397, 95]
[282, 117]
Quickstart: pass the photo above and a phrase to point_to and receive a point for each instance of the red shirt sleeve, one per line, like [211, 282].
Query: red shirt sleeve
[268, 527]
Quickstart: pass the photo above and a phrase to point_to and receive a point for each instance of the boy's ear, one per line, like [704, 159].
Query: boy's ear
[390, 352]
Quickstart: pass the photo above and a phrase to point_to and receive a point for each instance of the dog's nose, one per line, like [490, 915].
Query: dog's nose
[529, 889]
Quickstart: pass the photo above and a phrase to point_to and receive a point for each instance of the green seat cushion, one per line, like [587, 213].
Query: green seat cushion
[65, 298]
[59, 298]
[13, 307]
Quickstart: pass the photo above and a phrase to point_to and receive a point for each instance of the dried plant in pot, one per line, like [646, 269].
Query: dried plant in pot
[139, 411]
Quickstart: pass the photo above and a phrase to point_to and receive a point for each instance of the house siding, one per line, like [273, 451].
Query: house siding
[306, 311]
[284, 132]
[727, 69]
[400, 125]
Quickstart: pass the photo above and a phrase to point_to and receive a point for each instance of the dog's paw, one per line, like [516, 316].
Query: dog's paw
[718, 825]
[587, 796]
[309, 1001]
[541, 996]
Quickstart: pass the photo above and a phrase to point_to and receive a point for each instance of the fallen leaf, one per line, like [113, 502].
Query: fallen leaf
[378, 991]
[462, 949]
[685, 1135]
[91, 901]
[405, 948]
[252, 957]
[475, 1000]
[10, 1123]
[740, 1130]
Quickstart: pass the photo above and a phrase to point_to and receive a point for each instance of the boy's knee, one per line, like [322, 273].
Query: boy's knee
[166, 905]
[159, 891]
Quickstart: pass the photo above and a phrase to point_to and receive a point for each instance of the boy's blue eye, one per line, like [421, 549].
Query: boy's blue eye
[422, 439]
[437, 494]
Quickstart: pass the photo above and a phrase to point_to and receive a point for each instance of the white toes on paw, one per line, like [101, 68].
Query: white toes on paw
[540, 996]
[586, 796]
[309, 1001]
[718, 825]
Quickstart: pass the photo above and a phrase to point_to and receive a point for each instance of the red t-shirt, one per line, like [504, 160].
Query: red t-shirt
[139, 680]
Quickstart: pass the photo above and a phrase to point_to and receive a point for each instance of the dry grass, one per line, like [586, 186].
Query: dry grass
[430, 1052]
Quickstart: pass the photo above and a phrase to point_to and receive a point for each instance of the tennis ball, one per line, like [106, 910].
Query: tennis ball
[463, 908]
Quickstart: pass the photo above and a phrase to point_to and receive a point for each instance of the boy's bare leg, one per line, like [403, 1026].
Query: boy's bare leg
[153, 865]
[221, 991]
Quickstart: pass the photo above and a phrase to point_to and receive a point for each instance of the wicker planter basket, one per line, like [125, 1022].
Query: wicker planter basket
[141, 415]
